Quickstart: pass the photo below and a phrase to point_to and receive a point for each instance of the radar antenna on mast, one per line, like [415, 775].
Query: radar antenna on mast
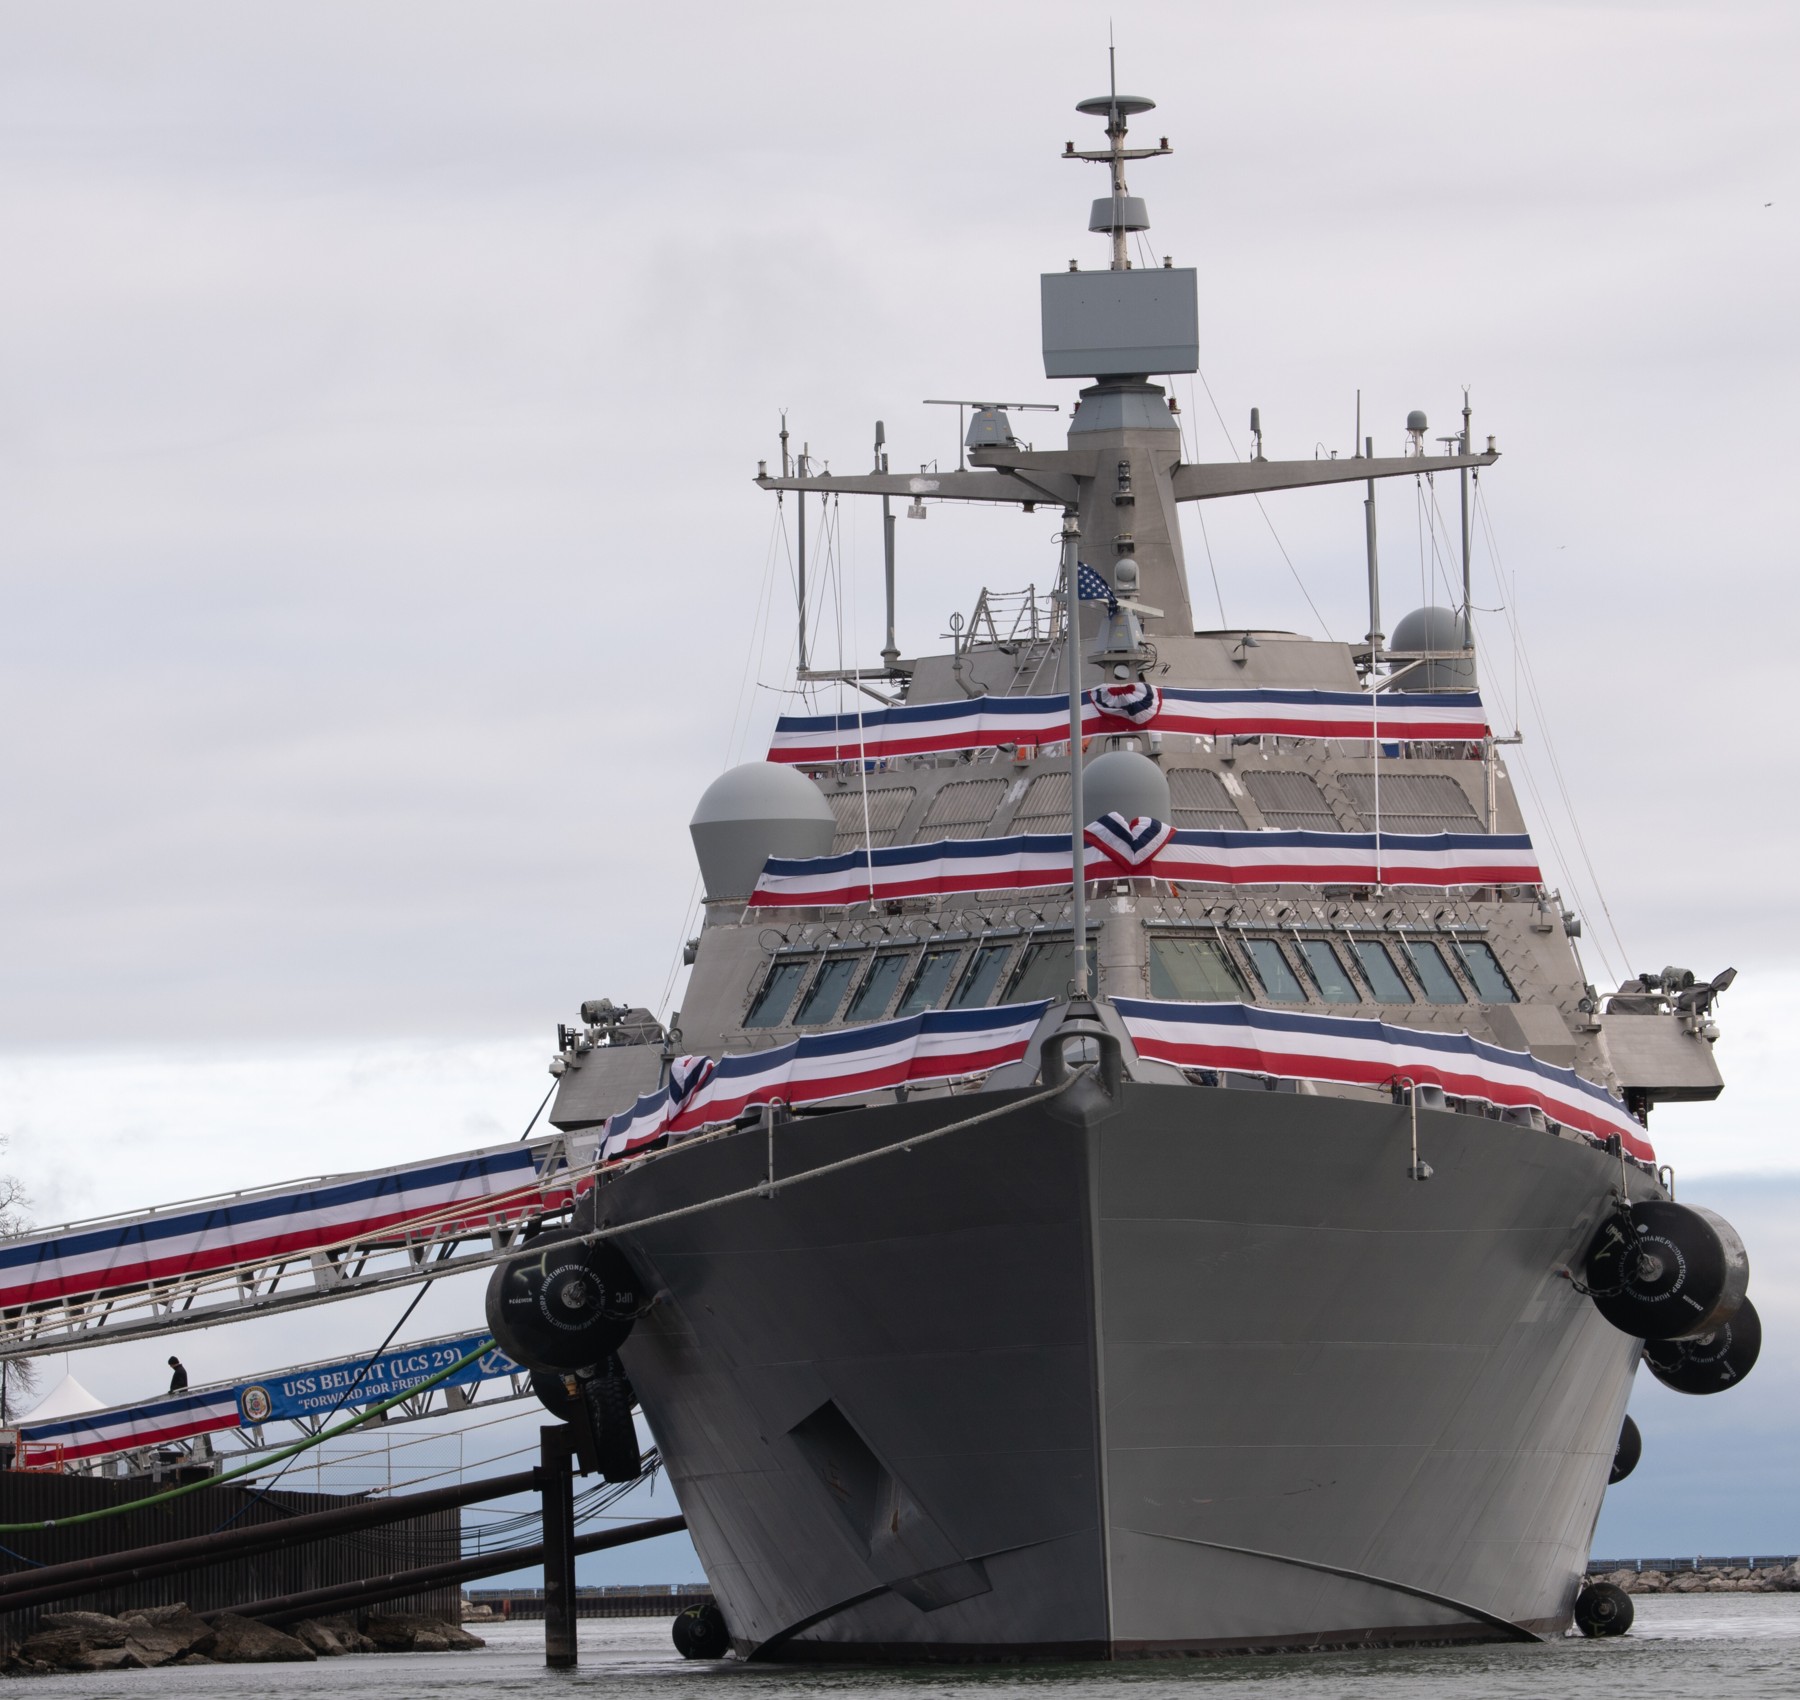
[1118, 214]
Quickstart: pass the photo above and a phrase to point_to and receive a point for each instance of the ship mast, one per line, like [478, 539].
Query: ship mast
[1121, 212]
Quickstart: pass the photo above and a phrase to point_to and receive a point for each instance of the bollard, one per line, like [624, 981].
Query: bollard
[557, 1451]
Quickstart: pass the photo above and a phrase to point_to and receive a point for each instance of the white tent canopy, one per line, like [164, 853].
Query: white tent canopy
[68, 1398]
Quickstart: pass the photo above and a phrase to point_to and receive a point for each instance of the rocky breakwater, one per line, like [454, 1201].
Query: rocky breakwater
[173, 1635]
[1771, 1579]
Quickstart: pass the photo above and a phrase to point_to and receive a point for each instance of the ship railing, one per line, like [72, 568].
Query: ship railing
[460, 1235]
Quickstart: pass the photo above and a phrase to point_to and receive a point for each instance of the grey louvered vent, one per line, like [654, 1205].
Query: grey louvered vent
[1201, 801]
[1045, 807]
[887, 808]
[962, 809]
[1413, 802]
[1291, 801]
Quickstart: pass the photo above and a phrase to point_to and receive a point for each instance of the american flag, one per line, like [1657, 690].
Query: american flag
[1091, 587]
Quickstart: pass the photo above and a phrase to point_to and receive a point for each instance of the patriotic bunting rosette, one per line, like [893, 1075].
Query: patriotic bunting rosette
[1130, 843]
[1137, 703]
[686, 1076]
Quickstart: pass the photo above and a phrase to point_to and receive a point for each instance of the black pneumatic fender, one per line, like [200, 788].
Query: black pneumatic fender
[609, 1397]
[1666, 1270]
[564, 1308]
[1603, 1608]
[700, 1632]
[1709, 1362]
[1626, 1453]
[555, 1394]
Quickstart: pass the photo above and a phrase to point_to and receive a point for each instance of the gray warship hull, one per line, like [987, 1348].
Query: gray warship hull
[1184, 1371]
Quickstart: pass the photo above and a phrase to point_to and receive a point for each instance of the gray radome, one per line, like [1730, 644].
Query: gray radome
[1434, 628]
[751, 813]
[1126, 783]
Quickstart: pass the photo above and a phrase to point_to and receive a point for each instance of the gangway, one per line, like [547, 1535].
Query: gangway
[304, 1397]
[253, 1253]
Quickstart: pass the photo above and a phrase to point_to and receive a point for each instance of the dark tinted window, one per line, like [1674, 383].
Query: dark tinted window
[1046, 970]
[827, 990]
[1328, 972]
[773, 1001]
[1192, 971]
[878, 987]
[1378, 968]
[1485, 970]
[1272, 967]
[1434, 973]
[983, 976]
[931, 981]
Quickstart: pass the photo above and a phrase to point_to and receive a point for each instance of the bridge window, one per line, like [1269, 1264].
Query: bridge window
[1279, 980]
[1192, 970]
[1328, 972]
[878, 987]
[1491, 983]
[827, 991]
[931, 980]
[1441, 986]
[978, 984]
[777, 994]
[1046, 969]
[1379, 970]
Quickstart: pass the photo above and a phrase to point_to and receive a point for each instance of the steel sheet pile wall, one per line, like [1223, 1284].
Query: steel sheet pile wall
[431, 1539]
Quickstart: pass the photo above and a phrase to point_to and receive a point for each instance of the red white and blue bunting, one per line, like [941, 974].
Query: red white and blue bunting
[990, 721]
[184, 1241]
[1035, 861]
[1354, 1051]
[124, 1428]
[936, 1045]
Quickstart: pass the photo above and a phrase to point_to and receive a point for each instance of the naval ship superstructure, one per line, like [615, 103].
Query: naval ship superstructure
[1111, 1335]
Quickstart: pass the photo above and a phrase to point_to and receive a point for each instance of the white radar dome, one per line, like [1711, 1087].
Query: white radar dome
[751, 813]
[1124, 782]
[1440, 629]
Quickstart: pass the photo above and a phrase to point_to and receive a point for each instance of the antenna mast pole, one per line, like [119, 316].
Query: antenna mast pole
[890, 653]
[1468, 595]
[1071, 539]
[1115, 135]
[800, 499]
[1375, 632]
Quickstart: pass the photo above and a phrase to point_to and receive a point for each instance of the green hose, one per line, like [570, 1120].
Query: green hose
[262, 1463]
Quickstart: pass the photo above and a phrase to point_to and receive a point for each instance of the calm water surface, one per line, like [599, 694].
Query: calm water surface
[1732, 1646]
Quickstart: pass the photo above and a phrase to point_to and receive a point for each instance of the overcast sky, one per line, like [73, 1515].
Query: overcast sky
[380, 387]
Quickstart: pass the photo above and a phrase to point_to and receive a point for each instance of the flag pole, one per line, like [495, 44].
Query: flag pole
[1071, 538]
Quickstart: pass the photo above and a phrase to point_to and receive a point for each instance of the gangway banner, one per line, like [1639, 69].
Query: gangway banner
[306, 1394]
[321, 1388]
